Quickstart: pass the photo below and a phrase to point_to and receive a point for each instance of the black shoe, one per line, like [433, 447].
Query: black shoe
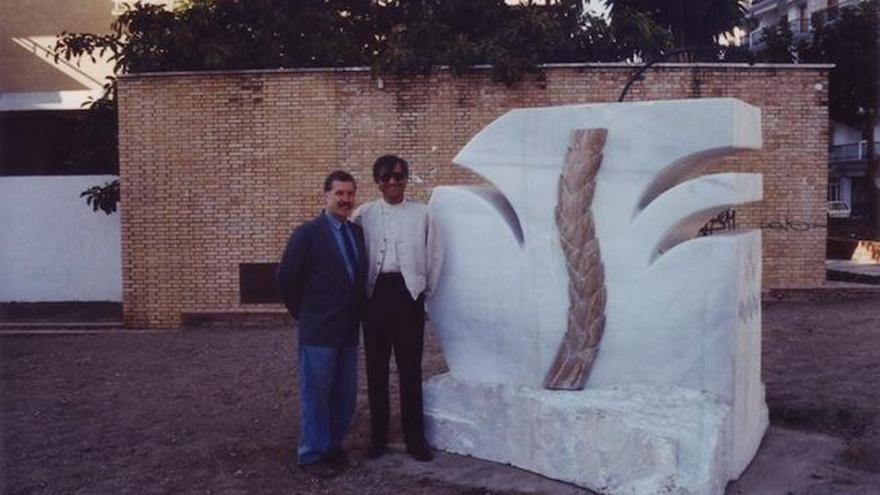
[376, 451]
[320, 469]
[420, 453]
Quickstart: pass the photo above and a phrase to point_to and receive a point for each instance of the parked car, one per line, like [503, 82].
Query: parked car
[838, 209]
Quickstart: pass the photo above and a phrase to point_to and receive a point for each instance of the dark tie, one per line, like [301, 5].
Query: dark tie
[349, 250]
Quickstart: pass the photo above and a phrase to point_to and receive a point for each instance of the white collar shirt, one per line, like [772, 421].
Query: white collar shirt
[393, 219]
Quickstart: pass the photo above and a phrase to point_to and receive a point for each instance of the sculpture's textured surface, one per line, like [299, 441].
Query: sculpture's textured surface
[583, 261]
[682, 314]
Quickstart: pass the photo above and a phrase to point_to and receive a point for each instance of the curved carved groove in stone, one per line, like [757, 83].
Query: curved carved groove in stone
[586, 287]
[676, 215]
[686, 230]
[494, 197]
[743, 134]
[677, 172]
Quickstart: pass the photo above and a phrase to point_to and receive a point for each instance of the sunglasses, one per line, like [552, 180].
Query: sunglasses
[398, 176]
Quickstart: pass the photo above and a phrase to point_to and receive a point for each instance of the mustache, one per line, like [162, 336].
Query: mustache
[346, 204]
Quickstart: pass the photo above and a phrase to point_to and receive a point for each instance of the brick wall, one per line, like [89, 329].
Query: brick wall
[217, 168]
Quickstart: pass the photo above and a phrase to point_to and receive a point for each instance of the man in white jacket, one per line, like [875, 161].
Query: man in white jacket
[403, 264]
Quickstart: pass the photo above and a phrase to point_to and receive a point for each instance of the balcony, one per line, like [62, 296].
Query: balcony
[854, 151]
[850, 160]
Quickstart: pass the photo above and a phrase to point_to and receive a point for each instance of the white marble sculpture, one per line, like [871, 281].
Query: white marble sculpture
[673, 402]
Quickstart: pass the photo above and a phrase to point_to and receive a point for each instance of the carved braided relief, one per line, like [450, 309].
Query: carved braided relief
[586, 286]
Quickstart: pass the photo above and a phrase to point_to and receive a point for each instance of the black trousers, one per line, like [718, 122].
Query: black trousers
[394, 321]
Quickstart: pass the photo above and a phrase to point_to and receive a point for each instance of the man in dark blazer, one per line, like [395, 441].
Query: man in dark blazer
[322, 278]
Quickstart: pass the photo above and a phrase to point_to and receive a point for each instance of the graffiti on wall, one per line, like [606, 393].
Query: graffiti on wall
[791, 225]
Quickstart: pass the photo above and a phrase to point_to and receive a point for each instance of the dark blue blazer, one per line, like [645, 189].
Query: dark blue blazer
[315, 286]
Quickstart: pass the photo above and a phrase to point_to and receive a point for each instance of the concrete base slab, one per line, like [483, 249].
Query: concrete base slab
[789, 461]
[629, 439]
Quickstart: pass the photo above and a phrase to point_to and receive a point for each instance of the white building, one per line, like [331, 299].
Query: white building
[52, 246]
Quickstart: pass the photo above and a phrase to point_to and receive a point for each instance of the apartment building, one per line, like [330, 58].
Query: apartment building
[847, 156]
[801, 16]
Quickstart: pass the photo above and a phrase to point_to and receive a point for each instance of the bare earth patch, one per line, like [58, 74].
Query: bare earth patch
[215, 411]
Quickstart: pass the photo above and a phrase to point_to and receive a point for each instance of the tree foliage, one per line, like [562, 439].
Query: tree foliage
[104, 198]
[778, 44]
[393, 37]
[655, 26]
[850, 43]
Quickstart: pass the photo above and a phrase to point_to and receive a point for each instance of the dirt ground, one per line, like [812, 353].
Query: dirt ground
[214, 411]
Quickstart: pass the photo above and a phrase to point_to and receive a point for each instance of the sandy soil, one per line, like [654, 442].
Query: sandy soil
[215, 412]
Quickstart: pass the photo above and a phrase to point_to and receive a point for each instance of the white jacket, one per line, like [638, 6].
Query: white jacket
[419, 251]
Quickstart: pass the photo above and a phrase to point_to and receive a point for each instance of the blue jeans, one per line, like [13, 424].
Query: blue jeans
[327, 396]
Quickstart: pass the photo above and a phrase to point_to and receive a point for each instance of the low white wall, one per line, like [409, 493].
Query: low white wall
[53, 247]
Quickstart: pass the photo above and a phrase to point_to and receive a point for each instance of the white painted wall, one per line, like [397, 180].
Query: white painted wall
[47, 100]
[844, 134]
[53, 247]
